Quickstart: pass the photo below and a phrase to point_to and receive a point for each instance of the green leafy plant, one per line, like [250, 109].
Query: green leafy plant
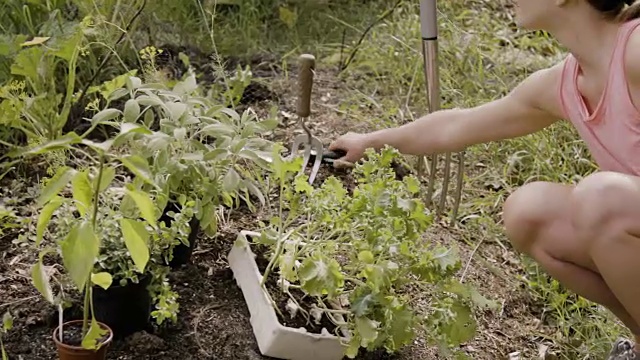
[357, 253]
[31, 102]
[80, 247]
[202, 153]
[116, 258]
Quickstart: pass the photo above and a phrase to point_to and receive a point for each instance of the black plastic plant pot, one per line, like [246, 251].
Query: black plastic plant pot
[181, 252]
[125, 309]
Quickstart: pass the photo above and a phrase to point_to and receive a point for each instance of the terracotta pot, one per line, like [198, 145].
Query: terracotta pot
[69, 352]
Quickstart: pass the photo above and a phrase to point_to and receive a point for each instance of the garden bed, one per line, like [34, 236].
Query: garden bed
[214, 321]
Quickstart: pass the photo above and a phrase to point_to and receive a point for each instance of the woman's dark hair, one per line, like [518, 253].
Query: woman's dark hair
[624, 10]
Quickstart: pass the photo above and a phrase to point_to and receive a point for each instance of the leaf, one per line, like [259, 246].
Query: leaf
[136, 237]
[105, 115]
[157, 141]
[79, 252]
[471, 293]
[133, 82]
[38, 40]
[218, 130]
[268, 124]
[413, 184]
[62, 142]
[253, 189]
[117, 94]
[40, 281]
[208, 216]
[57, 183]
[461, 328]
[362, 305]
[216, 154]
[186, 86]
[45, 217]
[288, 17]
[231, 181]
[176, 110]
[320, 276]
[94, 335]
[144, 204]
[82, 192]
[102, 279]
[401, 328]
[108, 174]
[126, 128]
[301, 184]
[139, 167]
[99, 146]
[366, 257]
[367, 329]
[131, 110]
[447, 258]
[7, 321]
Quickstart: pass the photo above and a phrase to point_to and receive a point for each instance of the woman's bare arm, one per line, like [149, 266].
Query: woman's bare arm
[531, 106]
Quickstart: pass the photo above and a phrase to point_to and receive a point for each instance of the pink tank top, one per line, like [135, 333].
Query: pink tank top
[612, 131]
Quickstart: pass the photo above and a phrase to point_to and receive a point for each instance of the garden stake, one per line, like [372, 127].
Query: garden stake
[305, 84]
[429, 32]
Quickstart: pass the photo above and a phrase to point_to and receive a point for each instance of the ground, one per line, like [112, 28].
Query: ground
[536, 319]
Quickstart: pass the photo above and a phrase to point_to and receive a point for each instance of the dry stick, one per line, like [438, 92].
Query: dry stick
[382, 17]
[18, 301]
[196, 323]
[107, 57]
[464, 272]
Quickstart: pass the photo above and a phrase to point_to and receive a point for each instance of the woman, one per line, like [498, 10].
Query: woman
[586, 236]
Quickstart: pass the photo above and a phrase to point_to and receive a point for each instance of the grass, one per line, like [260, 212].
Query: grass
[482, 57]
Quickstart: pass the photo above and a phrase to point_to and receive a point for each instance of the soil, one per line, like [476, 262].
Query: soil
[72, 335]
[282, 299]
[214, 322]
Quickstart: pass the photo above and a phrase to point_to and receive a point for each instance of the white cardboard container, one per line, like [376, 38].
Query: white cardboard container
[274, 339]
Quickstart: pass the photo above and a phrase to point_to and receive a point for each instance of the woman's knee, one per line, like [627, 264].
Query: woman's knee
[527, 211]
[604, 203]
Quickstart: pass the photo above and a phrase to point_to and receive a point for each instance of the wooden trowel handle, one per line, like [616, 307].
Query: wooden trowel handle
[307, 65]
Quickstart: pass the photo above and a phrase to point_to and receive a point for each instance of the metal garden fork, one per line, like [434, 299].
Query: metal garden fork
[311, 143]
[429, 32]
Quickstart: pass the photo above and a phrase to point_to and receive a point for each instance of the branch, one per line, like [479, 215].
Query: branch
[382, 17]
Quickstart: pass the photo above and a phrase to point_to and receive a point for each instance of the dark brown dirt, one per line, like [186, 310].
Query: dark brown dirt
[281, 299]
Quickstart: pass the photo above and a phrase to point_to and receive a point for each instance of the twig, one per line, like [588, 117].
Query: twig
[382, 17]
[18, 301]
[464, 272]
[196, 321]
[342, 46]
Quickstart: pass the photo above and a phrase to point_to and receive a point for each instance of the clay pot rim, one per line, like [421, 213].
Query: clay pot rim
[80, 348]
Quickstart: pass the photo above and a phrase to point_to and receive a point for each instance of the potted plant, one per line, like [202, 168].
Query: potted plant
[138, 293]
[329, 276]
[80, 248]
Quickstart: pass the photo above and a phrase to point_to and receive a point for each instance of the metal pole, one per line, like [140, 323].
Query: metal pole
[429, 32]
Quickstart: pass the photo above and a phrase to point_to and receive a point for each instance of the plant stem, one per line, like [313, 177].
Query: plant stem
[280, 245]
[85, 308]
[88, 301]
[356, 281]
